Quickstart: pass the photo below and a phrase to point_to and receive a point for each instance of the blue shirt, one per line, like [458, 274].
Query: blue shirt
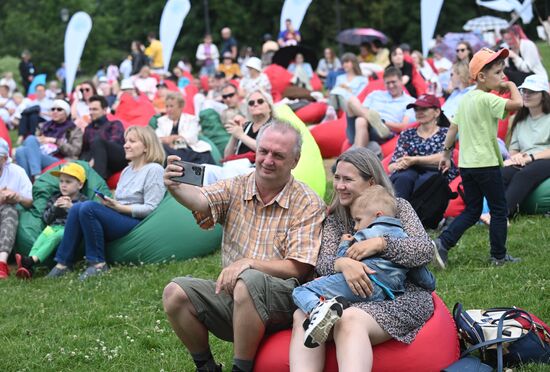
[393, 110]
[450, 107]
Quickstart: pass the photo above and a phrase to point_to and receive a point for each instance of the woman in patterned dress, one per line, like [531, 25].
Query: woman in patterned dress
[365, 324]
[418, 151]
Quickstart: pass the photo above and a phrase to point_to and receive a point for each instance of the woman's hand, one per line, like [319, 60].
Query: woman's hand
[366, 248]
[356, 275]
[111, 203]
[235, 130]
[520, 159]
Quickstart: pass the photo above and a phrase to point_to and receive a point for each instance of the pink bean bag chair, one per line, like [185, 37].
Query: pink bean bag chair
[313, 113]
[4, 133]
[316, 83]
[329, 137]
[435, 347]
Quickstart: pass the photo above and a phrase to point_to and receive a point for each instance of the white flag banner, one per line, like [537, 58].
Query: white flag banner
[76, 34]
[295, 10]
[171, 21]
[524, 10]
[429, 14]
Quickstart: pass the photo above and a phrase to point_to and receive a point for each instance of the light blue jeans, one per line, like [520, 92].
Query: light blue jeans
[30, 157]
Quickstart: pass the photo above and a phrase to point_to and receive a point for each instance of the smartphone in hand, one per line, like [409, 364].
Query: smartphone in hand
[99, 194]
[193, 174]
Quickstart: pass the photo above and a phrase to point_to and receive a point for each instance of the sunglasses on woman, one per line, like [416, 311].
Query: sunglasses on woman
[87, 90]
[57, 109]
[461, 50]
[259, 101]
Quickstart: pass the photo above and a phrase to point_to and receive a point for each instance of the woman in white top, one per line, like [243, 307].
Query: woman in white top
[145, 83]
[179, 132]
[256, 79]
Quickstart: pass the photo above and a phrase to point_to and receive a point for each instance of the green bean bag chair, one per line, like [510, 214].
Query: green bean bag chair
[310, 169]
[212, 127]
[215, 152]
[30, 220]
[169, 233]
[538, 202]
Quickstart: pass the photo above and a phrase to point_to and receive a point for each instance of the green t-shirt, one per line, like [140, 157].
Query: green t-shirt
[532, 135]
[477, 120]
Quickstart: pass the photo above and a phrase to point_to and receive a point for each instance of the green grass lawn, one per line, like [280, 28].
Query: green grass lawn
[116, 322]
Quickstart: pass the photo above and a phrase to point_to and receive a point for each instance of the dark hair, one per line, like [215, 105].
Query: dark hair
[443, 120]
[497, 61]
[90, 83]
[392, 71]
[394, 48]
[469, 47]
[523, 112]
[377, 43]
[350, 57]
[152, 35]
[100, 99]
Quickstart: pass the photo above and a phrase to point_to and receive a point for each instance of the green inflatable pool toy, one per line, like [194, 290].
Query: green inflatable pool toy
[30, 220]
[169, 233]
[538, 201]
[310, 169]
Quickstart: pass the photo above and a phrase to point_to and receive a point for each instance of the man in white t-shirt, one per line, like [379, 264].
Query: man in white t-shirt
[15, 188]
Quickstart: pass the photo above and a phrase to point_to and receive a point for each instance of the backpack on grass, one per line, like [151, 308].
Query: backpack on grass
[430, 200]
[505, 336]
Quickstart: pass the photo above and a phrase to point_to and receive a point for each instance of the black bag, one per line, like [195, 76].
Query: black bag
[430, 200]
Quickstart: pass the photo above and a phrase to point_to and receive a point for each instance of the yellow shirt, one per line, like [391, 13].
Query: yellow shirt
[154, 51]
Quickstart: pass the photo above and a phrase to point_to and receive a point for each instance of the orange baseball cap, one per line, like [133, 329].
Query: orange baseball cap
[484, 57]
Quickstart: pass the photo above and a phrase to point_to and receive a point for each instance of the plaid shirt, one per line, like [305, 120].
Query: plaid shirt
[288, 227]
[102, 128]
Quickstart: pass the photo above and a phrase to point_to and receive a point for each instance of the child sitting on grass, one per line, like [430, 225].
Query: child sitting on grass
[480, 159]
[325, 298]
[71, 180]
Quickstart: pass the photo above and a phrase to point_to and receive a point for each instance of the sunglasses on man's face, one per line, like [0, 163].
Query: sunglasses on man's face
[259, 101]
[57, 109]
[228, 95]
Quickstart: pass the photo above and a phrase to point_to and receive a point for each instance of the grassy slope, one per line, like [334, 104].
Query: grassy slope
[116, 322]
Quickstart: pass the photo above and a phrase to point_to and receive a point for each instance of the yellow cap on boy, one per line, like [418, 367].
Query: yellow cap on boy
[72, 169]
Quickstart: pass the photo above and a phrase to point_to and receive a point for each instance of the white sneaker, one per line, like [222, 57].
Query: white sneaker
[330, 114]
[321, 320]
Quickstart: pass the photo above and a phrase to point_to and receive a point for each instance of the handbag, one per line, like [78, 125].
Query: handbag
[504, 336]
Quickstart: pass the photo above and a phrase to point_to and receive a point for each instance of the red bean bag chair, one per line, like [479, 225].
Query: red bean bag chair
[435, 347]
[4, 133]
[386, 163]
[329, 137]
[388, 147]
[51, 166]
[503, 128]
[112, 182]
[312, 113]
[190, 92]
[171, 85]
[316, 83]
[279, 77]
[456, 206]
[132, 111]
[204, 83]
[373, 85]
[345, 146]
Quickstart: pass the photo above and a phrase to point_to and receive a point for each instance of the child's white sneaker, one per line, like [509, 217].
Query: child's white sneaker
[321, 320]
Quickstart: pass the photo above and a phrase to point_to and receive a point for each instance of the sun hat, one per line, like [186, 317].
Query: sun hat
[126, 84]
[483, 57]
[425, 100]
[255, 63]
[536, 83]
[72, 169]
[62, 104]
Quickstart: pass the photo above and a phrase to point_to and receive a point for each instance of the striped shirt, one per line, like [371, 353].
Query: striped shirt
[288, 227]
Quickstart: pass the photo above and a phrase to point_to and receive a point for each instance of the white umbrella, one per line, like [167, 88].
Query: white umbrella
[485, 23]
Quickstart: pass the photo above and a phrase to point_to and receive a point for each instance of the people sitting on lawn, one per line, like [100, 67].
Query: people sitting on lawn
[367, 323]
[139, 192]
[529, 162]
[72, 177]
[272, 225]
[418, 150]
[103, 144]
[382, 114]
[179, 132]
[325, 298]
[56, 139]
[15, 188]
[240, 150]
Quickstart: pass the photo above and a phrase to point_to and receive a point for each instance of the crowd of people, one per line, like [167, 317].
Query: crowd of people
[368, 249]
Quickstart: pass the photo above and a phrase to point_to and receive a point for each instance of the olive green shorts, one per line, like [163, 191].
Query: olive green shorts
[272, 298]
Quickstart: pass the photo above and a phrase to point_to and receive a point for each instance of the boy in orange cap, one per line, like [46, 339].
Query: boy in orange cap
[480, 159]
[72, 177]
